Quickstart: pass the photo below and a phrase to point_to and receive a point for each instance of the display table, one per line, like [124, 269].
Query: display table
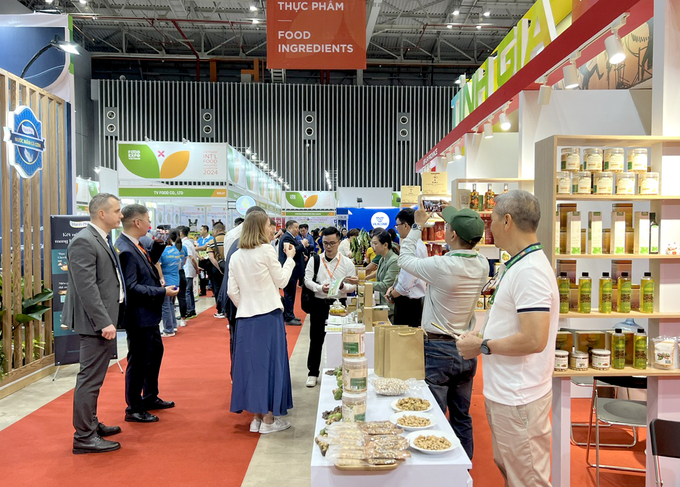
[332, 349]
[448, 469]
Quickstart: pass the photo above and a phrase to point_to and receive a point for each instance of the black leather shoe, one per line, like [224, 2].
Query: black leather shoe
[96, 444]
[103, 430]
[159, 404]
[295, 322]
[143, 417]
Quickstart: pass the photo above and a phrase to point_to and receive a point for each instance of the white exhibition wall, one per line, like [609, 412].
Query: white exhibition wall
[372, 197]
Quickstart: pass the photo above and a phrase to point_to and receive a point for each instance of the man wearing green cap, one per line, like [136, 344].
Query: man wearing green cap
[454, 283]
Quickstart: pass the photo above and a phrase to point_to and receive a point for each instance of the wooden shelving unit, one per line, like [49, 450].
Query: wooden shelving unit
[613, 314]
[625, 372]
[618, 256]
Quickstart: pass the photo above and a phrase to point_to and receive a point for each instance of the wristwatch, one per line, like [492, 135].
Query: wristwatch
[485, 348]
[415, 226]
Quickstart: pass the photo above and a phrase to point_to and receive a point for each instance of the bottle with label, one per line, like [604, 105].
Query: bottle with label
[605, 293]
[564, 285]
[647, 293]
[618, 349]
[489, 199]
[585, 287]
[474, 198]
[653, 234]
[624, 293]
[505, 188]
[640, 349]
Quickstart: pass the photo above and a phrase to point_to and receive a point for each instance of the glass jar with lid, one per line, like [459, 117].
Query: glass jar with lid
[592, 160]
[578, 360]
[570, 159]
[581, 183]
[603, 182]
[563, 182]
[601, 358]
[648, 183]
[625, 183]
[614, 160]
[638, 160]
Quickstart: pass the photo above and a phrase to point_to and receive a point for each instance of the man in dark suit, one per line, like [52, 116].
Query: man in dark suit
[292, 230]
[93, 308]
[145, 295]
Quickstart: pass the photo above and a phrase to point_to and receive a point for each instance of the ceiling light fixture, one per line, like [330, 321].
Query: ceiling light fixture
[544, 93]
[570, 75]
[256, 21]
[273, 173]
[449, 26]
[248, 151]
[488, 130]
[83, 2]
[253, 8]
[457, 153]
[505, 122]
[479, 27]
[486, 13]
[614, 48]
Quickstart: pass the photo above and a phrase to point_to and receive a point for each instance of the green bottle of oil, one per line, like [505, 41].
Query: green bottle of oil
[585, 288]
[563, 285]
[640, 350]
[647, 293]
[618, 349]
[606, 293]
[624, 293]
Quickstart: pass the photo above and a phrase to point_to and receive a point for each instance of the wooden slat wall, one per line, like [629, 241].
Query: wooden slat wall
[21, 201]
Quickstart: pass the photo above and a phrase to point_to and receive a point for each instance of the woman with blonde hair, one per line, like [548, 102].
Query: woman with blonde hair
[261, 373]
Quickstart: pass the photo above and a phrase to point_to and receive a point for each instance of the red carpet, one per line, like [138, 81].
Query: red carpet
[197, 443]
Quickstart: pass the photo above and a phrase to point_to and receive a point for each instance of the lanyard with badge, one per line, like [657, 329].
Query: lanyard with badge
[334, 285]
[516, 258]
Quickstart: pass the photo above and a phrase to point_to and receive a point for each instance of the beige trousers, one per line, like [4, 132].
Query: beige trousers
[521, 441]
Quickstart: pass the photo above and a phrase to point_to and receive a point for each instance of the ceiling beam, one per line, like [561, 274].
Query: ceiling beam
[372, 20]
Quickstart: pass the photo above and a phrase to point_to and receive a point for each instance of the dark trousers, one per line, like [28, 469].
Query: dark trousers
[215, 282]
[408, 311]
[204, 277]
[145, 353]
[289, 300]
[95, 354]
[182, 296]
[449, 377]
[317, 333]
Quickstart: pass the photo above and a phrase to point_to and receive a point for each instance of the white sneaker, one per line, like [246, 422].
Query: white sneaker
[278, 425]
[255, 425]
[311, 381]
[166, 335]
[181, 322]
[219, 315]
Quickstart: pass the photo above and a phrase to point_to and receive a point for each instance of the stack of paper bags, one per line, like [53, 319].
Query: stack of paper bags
[399, 352]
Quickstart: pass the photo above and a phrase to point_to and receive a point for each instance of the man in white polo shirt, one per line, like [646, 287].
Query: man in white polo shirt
[518, 339]
[454, 282]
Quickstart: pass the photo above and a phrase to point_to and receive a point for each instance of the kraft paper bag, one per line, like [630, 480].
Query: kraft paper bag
[380, 313]
[379, 347]
[404, 356]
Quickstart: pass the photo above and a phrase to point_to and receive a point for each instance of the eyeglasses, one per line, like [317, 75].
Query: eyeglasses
[330, 244]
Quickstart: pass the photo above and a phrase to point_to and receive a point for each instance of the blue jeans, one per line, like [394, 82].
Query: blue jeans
[191, 303]
[449, 377]
[169, 319]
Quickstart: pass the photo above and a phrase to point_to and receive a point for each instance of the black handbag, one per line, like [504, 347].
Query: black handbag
[307, 298]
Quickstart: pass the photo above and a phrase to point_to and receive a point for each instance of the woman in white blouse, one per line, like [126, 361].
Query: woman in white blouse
[261, 373]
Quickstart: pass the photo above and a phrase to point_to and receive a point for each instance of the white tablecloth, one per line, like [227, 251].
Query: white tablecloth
[332, 349]
[445, 470]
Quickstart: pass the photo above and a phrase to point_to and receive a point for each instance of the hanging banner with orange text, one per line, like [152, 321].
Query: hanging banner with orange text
[316, 35]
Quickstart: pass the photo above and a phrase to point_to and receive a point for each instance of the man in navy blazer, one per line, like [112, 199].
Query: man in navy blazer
[145, 295]
[292, 230]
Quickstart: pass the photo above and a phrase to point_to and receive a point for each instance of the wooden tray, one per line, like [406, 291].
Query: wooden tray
[367, 468]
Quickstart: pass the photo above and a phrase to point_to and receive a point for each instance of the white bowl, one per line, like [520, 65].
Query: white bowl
[455, 442]
[394, 406]
[396, 416]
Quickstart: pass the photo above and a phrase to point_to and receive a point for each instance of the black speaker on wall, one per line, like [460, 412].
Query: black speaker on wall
[309, 125]
[404, 127]
[207, 123]
[111, 122]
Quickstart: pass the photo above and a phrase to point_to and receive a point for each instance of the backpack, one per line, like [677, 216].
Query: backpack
[307, 298]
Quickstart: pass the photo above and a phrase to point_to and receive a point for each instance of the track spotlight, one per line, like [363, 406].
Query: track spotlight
[614, 49]
[248, 151]
[570, 76]
[488, 130]
[253, 8]
[544, 93]
[456, 12]
[479, 27]
[457, 154]
[505, 122]
[449, 26]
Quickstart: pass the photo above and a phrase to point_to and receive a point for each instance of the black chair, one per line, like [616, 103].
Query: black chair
[664, 435]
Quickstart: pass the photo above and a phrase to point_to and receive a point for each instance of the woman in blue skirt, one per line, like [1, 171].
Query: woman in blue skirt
[261, 374]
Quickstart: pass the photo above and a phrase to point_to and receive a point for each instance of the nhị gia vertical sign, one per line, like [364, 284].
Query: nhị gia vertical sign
[316, 35]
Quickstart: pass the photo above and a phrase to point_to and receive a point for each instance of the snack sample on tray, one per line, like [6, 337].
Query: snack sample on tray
[431, 442]
[389, 387]
[366, 444]
[413, 421]
[413, 404]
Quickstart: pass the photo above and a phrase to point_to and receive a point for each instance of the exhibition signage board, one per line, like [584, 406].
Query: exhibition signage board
[435, 183]
[311, 200]
[24, 135]
[154, 164]
[409, 195]
[530, 50]
[66, 340]
[316, 35]
[166, 192]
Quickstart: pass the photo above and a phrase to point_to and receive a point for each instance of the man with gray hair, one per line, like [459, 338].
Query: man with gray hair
[93, 308]
[145, 296]
[518, 339]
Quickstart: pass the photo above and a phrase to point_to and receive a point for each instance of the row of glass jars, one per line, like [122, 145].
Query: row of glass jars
[598, 160]
[607, 183]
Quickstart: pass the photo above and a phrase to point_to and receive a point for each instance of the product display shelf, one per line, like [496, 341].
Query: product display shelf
[625, 372]
[515, 183]
[444, 470]
[663, 386]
